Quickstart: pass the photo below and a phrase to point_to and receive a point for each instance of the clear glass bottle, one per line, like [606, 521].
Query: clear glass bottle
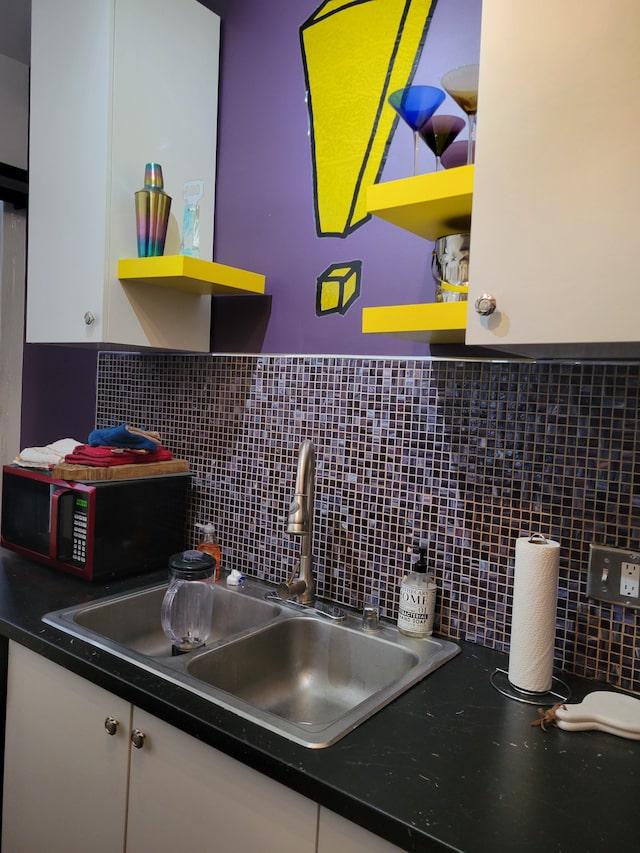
[190, 243]
[209, 544]
[187, 607]
[417, 599]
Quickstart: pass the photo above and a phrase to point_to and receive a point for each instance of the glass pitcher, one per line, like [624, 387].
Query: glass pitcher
[187, 608]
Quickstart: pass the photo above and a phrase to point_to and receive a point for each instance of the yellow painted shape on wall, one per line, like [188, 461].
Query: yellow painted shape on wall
[330, 296]
[349, 288]
[338, 287]
[341, 272]
[355, 55]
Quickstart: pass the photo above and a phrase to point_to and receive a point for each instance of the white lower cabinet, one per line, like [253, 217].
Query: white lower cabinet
[65, 778]
[70, 787]
[185, 795]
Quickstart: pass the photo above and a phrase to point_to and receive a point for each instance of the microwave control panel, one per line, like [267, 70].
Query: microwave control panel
[80, 526]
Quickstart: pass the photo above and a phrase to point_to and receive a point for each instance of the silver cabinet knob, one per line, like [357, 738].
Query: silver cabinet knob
[485, 304]
[138, 738]
[89, 318]
[111, 725]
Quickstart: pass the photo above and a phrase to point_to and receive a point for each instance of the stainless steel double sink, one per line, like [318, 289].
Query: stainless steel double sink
[295, 671]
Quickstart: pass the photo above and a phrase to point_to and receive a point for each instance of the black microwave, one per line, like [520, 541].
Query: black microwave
[94, 530]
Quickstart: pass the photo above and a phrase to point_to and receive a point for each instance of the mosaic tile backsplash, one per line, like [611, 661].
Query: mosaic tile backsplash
[466, 455]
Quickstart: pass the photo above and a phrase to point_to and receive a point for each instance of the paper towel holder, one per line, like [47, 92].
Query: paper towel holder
[558, 692]
[538, 539]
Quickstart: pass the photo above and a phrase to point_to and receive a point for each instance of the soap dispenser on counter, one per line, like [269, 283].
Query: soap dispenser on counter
[209, 544]
[417, 598]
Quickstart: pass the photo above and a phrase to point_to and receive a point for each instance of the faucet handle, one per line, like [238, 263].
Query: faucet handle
[297, 522]
[285, 591]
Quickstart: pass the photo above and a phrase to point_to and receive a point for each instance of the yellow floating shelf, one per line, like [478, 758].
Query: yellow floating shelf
[436, 323]
[431, 205]
[194, 275]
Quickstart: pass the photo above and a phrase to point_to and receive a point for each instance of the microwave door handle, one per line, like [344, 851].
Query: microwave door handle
[56, 498]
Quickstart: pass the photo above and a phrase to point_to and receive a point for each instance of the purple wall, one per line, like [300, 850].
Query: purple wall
[265, 212]
[264, 203]
[58, 393]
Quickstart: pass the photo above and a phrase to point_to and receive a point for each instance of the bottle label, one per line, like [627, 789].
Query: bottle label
[417, 608]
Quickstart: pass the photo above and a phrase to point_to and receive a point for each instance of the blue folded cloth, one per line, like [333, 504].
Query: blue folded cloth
[125, 436]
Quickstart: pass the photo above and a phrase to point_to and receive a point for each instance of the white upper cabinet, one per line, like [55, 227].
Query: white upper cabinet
[557, 178]
[116, 84]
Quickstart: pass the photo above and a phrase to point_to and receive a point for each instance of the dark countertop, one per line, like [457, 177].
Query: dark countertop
[450, 765]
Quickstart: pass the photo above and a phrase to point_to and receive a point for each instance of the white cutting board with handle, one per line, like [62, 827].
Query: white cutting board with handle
[614, 713]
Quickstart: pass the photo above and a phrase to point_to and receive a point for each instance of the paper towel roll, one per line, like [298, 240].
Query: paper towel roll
[533, 623]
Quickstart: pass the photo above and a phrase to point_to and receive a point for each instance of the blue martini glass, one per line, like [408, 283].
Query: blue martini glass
[415, 105]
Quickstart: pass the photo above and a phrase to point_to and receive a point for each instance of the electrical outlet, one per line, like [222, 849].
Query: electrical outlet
[630, 580]
[614, 575]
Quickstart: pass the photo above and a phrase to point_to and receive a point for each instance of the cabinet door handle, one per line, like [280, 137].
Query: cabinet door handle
[89, 318]
[111, 725]
[138, 738]
[485, 304]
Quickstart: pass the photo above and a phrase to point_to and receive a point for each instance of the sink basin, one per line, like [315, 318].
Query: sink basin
[295, 671]
[133, 621]
[306, 670]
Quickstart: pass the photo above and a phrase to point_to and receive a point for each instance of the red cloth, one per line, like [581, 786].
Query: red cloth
[104, 457]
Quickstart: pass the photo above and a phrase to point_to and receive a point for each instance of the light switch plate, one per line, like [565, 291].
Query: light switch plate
[614, 575]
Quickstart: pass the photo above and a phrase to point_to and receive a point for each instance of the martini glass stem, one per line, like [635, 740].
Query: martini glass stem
[472, 138]
[416, 149]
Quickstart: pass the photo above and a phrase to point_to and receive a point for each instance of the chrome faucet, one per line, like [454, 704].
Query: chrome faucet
[300, 523]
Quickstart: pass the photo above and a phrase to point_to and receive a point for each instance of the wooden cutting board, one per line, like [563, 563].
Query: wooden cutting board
[89, 473]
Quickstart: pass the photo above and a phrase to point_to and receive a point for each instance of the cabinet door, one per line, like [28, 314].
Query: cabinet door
[68, 140]
[337, 833]
[185, 795]
[65, 777]
[557, 180]
[116, 84]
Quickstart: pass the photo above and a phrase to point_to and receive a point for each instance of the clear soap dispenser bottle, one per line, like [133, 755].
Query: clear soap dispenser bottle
[209, 544]
[417, 598]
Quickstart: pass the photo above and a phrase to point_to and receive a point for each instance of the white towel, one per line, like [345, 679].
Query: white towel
[47, 456]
